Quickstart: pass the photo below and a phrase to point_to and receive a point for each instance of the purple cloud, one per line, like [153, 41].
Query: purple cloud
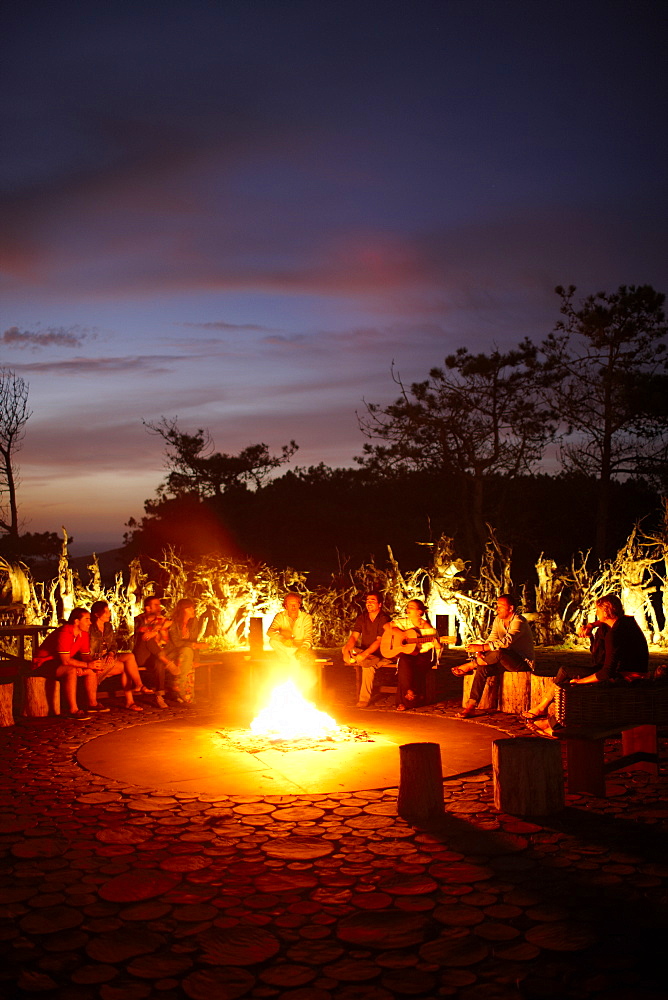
[58, 336]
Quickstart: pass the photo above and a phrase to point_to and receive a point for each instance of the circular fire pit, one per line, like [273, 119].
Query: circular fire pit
[202, 754]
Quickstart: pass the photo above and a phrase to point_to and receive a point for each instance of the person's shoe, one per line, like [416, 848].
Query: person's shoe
[466, 713]
[98, 708]
[160, 701]
[362, 704]
[133, 707]
[78, 716]
[463, 668]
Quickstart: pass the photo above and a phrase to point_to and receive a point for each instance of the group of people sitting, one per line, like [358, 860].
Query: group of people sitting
[618, 648]
[86, 647]
[411, 636]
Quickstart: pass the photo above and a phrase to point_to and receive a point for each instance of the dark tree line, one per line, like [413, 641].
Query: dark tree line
[453, 453]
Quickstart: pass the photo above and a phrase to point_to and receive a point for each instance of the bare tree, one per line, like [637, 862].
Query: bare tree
[14, 414]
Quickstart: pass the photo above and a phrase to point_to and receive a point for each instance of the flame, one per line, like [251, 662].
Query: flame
[288, 716]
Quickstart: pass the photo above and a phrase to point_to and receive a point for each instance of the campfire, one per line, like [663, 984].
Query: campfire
[289, 716]
[290, 722]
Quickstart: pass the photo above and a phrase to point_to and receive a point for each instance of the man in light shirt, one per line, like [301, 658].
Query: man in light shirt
[509, 646]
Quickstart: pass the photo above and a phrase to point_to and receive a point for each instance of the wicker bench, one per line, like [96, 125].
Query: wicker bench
[588, 714]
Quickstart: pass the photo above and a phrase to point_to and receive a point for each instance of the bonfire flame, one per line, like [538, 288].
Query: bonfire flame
[288, 716]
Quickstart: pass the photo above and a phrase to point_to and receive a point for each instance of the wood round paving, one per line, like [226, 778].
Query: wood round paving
[188, 754]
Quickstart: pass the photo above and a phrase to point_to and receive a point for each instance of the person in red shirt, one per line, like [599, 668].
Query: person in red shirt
[64, 656]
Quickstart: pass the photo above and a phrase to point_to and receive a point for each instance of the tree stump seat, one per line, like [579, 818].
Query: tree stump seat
[41, 697]
[6, 703]
[420, 799]
[490, 695]
[515, 691]
[528, 776]
[510, 691]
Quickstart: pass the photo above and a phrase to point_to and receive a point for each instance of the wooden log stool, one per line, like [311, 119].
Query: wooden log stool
[541, 687]
[420, 800]
[42, 697]
[6, 703]
[528, 776]
[515, 691]
[490, 696]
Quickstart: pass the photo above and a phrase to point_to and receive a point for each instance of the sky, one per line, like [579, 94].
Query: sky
[241, 213]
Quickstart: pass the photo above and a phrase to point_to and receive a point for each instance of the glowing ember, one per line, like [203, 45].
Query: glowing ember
[288, 716]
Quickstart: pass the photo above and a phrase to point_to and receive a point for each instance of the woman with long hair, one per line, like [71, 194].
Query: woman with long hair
[181, 648]
[104, 647]
[413, 667]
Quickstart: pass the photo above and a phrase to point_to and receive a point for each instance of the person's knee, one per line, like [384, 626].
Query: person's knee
[186, 657]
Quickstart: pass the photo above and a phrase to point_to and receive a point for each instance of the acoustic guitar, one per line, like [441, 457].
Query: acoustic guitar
[396, 640]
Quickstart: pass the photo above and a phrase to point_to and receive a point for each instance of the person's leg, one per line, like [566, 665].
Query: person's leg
[421, 668]
[68, 685]
[184, 681]
[125, 665]
[90, 687]
[563, 676]
[157, 670]
[405, 694]
[131, 676]
[369, 666]
[489, 667]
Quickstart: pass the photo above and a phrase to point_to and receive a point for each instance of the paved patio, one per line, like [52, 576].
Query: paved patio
[122, 881]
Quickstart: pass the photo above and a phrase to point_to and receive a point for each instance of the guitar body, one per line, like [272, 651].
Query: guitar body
[395, 641]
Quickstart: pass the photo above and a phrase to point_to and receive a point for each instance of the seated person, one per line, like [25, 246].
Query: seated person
[364, 642]
[64, 656]
[104, 647]
[412, 668]
[509, 647]
[291, 632]
[619, 654]
[150, 639]
[181, 649]
[291, 637]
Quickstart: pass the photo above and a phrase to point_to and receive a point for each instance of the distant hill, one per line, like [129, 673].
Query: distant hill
[110, 563]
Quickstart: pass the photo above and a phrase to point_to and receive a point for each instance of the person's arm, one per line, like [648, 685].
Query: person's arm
[502, 638]
[111, 640]
[71, 655]
[306, 641]
[349, 646]
[275, 632]
[370, 650]
[483, 647]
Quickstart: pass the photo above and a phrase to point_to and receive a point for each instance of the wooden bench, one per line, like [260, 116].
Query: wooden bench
[15, 697]
[385, 682]
[588, 714]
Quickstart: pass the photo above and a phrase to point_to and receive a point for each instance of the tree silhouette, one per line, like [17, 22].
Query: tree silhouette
[607, 374]
[479, 416]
